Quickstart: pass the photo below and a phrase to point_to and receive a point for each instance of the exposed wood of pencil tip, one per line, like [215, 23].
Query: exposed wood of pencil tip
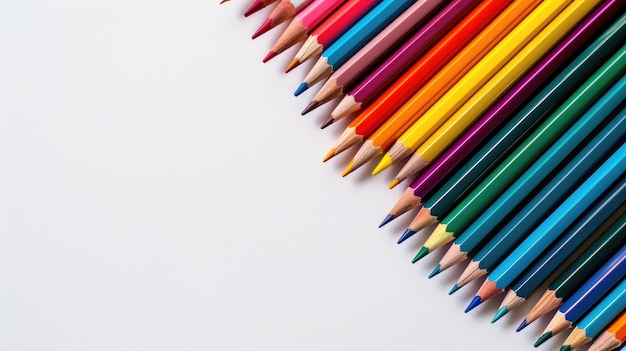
[415, 164]
[547, 303]
[471, 273]
[407, 201]
[330, 91]
[347, 106]
[422, 220]
[452, 257]
[577, 338]
[321, 70]
[605, 342]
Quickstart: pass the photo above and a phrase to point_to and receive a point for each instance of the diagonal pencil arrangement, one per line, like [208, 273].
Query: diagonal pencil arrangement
[509, 117]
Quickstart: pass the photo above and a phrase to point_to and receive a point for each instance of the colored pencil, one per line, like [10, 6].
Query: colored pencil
[437, 100]
[598, 219]
[486, 96]
[576, 306]
[600, 317]
[453, 224]
[304, 22]
[578, 272]
[257, 5]
[518, 125]
[544, 196]
[461, 183]
[353, 40]
[428, 65]
[545, 28]
[612, 337]
[390, 37]
[422, 80]
[552, 227]
[286, 10]
[330, 29]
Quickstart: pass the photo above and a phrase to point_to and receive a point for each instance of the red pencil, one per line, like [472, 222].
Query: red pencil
[257, 5]
[286, 10]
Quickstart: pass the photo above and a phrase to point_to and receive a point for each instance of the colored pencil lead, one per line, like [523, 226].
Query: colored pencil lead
[349, 168]
[223, 1]
[301, 89]
[435, 271]
[521, 326]
[256, 6]
[387, 219]
[473, 304]
[270, 55]
[407, 234]
[393, 183]
[329, 155]
[501, 312]
[543, 338]
[293, 64]
[384, 163]
[565, 348]
[267, 25]
[454, 289]
[423, 252]
[330, 120]
[310, 107]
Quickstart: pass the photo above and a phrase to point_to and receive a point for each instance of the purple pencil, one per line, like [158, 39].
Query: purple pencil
[407, 54]
[516, 96]
[367, 56]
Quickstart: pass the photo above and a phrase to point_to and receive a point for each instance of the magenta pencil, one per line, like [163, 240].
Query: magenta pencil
[390, 69]
[516, 96]
[328, 31]
[304, 22]
[402, 26]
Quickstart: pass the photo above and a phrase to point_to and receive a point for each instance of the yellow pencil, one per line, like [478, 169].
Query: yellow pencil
[495, 87]
[408, 142]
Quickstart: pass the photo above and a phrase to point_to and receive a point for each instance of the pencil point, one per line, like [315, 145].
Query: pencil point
[422, 252]
[475, 302]
[522, 326]
[310, 107]
[293, 64]
[501, 312]
[543, 339]
[301, 89]
[267, 25]
[329, 155]
[435, 271]
[328, 122]
[394, 183]
[256, 6]
[407, 234]
[454, 289]
[223, 1]
[384, 163]
[387, 219]
[270, 55]
[565, 348]
[348, 169]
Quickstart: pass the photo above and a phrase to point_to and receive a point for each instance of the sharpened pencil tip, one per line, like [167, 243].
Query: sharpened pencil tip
[327, 122]
[310, 107]
[501, 312]
[329, 155]
[384, 163]
[435, 271]
[475, 302]
[394, 183]
[522, 326]
[223, 1]
[293, 64]
[422, 252]
[543, 339]
[256, 6]
[388, 218]
[270, 55]
[348, 169]
[454, 289]
[565, 348]
[407, 234]
[267, 25]
[301, 89]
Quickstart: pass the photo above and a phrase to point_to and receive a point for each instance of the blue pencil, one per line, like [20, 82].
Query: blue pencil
[574, 308]
[597, 319]
[353, 40]
[550, 229]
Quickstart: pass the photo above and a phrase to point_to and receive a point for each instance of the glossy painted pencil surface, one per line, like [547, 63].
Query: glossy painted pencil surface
[385, 73]
[396, 32]
[553, 226]
[578, 272]
[330, 29]
[517, 126]
[612, 337]
[353, 40]
[598, 318]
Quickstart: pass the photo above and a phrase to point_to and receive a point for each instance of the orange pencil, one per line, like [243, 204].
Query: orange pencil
[612, 337]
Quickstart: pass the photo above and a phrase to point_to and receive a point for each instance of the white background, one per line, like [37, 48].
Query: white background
[160, 191]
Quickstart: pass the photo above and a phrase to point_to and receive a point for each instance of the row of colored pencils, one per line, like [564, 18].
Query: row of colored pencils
[509, 116]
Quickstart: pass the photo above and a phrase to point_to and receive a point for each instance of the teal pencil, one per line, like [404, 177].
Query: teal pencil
[552, 227]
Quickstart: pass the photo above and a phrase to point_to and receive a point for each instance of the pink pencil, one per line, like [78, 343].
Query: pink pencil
[302, 24]
[328, 31]
[408, 21]
[286, 10]
[257, 5]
